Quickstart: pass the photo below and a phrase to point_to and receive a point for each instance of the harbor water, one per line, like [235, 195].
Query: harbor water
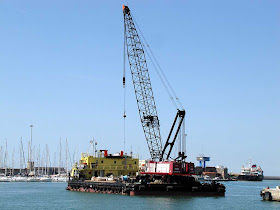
[239, 195]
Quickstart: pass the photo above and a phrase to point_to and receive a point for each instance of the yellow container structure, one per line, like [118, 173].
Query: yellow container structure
[104, 164]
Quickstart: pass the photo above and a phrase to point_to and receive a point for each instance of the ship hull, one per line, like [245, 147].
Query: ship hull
[250, 178]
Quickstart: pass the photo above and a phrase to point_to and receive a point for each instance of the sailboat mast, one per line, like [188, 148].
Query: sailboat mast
[59, 164]
[38, 163]
[23, 157]
[28, 155]
[54, 163]
[5, 158]
[66, 157]
[20, 156]
[39, 160]
[31, 126]
[1, 157]
[46, 159]
[13, 161]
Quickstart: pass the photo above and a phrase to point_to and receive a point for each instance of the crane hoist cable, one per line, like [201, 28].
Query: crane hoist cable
[161, 78]
[124, 91]
[169, 89]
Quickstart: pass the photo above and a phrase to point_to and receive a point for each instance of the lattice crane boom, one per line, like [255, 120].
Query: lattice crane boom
[142, 86]
[144, 96]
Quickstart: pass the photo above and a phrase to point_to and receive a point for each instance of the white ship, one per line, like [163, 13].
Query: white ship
[253, 173]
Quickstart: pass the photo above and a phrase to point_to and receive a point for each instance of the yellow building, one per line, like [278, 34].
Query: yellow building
[104, 164]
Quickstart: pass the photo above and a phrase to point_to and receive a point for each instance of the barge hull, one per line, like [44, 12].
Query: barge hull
[178, 193]
[132, 189]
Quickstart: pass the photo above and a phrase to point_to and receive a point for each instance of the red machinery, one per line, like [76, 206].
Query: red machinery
[169, 168]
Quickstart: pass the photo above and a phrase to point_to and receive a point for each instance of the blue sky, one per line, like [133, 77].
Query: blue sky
[61, 66]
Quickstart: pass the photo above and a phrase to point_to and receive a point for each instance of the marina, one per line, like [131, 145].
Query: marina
[37, 167]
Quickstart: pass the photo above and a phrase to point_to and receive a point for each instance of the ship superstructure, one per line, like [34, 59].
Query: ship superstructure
[105, 164]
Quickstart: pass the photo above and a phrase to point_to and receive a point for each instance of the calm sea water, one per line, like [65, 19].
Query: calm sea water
[239, 195]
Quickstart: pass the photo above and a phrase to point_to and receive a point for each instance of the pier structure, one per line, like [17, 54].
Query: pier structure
[271, 194]
[202, 160]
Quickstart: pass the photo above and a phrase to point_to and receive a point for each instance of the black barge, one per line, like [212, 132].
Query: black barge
[182, 186]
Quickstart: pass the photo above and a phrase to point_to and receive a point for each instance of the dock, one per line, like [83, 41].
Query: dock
[271, 177]
[271, 194]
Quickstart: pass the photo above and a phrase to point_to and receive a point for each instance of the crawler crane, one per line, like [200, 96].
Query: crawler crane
[160, 163]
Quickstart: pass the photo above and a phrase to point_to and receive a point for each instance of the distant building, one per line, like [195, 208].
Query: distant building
[223, 171]
[212, 172]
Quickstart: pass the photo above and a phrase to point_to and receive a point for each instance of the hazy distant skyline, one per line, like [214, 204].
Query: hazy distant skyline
[61, 65]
